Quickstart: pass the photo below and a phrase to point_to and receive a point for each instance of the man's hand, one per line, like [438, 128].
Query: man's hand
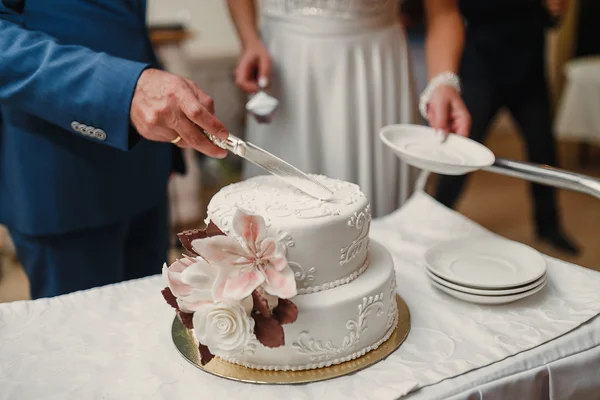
[556, 8]
[447, 111]
[166, 106]
[254, 65]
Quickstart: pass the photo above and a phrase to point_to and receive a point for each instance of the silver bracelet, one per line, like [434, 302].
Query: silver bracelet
[445, 78]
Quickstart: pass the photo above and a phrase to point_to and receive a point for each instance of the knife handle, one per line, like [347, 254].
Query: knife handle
[232, 143]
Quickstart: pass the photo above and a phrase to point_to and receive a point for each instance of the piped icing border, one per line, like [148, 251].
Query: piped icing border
[323, 364]
[337, 282]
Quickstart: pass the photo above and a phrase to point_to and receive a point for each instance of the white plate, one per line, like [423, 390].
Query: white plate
[473, 298]
[419, 146]
[484, 292]
[485, 263]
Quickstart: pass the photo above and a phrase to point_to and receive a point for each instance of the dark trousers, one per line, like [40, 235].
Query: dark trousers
[60, 264]
[529, 105]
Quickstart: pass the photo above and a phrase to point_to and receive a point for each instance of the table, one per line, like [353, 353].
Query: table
[577, 116]
[114, 342]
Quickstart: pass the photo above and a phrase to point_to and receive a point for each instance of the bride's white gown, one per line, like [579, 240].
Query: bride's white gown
[341, 71]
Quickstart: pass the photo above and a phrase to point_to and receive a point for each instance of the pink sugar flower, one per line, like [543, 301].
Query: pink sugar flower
[245, 264]
[191, 281]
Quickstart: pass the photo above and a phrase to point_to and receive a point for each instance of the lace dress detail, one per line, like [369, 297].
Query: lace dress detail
[338, 9]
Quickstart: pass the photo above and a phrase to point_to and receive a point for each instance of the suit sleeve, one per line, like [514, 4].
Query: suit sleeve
[71, 86]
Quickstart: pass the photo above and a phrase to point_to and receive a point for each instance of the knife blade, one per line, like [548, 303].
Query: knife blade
[273, 165]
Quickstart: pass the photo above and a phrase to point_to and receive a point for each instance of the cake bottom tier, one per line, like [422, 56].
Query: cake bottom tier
[335, 325]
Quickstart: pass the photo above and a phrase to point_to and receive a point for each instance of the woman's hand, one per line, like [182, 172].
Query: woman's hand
[254, 67]
[444, 46]
[447, 112]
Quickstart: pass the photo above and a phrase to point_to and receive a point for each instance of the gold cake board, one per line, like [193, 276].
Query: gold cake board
[187, 345]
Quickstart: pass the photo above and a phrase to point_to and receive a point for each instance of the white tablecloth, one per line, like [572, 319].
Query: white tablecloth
[114, 342]
[578, 117]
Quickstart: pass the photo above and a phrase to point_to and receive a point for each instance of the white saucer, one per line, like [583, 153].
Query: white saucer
[473, 298]
[485, 263]
[484, 292]
[419, 146]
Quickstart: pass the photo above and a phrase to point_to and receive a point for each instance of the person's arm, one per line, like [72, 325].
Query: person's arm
[441, 103]
[72, 85]
[445, 36]
[243, 14]
[66, 85]
[255, 63]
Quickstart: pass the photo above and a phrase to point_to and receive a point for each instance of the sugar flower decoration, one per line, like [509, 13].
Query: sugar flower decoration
[250, 260]
[225, 328]
[191, 281]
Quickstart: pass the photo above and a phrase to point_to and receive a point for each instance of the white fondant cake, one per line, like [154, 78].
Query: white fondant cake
[290, 282]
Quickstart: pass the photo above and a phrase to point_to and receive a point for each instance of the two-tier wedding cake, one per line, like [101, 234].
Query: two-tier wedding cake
[282, 281]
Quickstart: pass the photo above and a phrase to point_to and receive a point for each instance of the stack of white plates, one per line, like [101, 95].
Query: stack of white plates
[486, 271]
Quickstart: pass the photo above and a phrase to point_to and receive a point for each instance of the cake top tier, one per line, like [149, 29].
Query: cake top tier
[326, 242]
[275, 200]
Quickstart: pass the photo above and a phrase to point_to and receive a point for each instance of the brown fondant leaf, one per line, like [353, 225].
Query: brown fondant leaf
[186, 319]
[268, 331]
[261, 304]
[213, 230]
[170, 298]
[286, 312]
[186, 237]
[205, 354]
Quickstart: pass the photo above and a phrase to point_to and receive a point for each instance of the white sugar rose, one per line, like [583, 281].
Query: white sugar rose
[225, 328]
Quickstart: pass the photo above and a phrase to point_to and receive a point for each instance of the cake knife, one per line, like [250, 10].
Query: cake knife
[274, 165]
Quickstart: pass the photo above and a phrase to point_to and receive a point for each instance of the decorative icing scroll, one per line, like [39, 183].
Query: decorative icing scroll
[393, 310]
[324, 351]
[302, 276]
[361, 222]
[336, 283]
[322, 364]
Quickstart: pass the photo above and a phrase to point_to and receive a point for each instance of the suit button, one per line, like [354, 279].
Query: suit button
[100, 134]
[75, 126]
[90, 131]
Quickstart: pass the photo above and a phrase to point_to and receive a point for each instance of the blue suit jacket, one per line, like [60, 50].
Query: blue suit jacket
[69, 158]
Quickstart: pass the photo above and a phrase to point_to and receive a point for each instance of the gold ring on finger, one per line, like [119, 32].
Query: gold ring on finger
[176, 140]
